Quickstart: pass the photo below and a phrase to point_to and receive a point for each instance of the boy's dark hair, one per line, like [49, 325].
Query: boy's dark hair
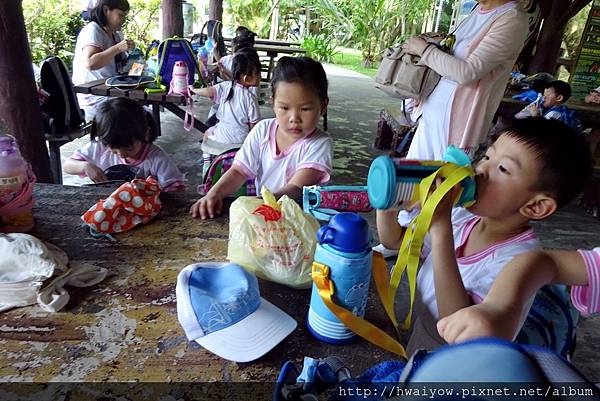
[97, 13]
[564, 155]
[560, 88]
[245, 62]
[303, 70]
[121, 121]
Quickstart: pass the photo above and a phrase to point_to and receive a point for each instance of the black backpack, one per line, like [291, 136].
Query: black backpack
[61, 110]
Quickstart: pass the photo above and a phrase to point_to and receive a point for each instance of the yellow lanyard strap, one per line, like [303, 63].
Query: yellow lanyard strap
[365, 329]
[410, 251]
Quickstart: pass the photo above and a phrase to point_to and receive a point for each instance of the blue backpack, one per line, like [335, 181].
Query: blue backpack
[552, 321]
[570, 118]
[482, 369]
[172, 50]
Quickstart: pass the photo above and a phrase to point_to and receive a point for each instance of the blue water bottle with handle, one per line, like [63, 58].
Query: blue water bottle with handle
[344, 249]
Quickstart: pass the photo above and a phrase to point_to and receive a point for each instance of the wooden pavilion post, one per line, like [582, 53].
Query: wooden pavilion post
[215, 10]
[172, 13]
[19, 107]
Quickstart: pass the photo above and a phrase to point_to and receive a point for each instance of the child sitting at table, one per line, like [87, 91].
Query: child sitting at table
[243, 39]
[528, 173]
[501, 312]
[238, 107]
[287, 152]
[122, 132]
[552, 104]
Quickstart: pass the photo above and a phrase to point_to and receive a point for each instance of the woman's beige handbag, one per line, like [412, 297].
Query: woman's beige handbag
[399, 75]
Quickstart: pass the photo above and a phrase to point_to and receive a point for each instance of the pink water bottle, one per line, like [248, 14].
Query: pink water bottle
[179, 81]
[16, 190]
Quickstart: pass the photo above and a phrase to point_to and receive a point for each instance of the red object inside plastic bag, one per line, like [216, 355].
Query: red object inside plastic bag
[268, 212]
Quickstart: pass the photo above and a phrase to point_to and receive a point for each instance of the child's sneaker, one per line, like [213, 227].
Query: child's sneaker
[387, 253]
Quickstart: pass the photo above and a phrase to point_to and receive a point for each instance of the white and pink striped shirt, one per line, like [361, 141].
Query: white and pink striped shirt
[586, 298]
[258, 157]
[478, 272]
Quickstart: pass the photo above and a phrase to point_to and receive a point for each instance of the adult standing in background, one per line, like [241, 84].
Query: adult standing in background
[461, 108]
[86, 8]
[100, 50]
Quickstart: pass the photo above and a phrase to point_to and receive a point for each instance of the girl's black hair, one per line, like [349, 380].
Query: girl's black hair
[243, 31]
[303, 70]
[245, 62]
[121, 121]
[242, 41]
[97, 13]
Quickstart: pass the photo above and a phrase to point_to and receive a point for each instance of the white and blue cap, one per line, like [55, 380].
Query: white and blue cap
[219, 306]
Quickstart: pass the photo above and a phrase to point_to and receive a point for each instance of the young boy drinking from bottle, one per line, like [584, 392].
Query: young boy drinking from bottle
[531, 170]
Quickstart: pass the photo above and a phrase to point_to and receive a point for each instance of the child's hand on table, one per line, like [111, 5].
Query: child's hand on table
[207, 207]
[94, 172]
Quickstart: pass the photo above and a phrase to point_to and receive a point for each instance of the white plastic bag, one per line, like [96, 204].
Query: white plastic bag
[273, 240]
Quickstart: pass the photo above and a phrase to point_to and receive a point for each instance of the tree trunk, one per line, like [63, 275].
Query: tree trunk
[172, 12]
[19, 107]
[274, 21]
[215, 10]
[549, 39]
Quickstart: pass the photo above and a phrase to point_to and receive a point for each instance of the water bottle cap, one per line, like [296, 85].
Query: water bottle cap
[381, 182]
[346, 232]
[457, 156]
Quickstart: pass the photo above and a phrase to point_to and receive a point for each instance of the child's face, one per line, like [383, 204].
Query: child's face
[551, 98]
[506, 178]
[297, 109]
[130, 152]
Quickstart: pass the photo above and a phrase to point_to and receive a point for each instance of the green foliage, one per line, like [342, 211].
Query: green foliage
[51, 27]
[320, 46]
[142, 22]
[352, 60]
[573, 32]
[253, 14]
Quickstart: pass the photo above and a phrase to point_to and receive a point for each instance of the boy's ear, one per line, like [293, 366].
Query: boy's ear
[539, 207]
[324, 104]
[560, 98]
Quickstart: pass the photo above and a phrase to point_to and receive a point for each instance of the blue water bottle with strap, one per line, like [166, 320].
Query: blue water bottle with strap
[344, 254]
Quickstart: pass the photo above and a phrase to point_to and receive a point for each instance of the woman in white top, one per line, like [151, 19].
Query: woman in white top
[460, 110]
[100, 50]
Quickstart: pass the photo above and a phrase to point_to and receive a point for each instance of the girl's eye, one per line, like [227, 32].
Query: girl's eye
[502, 169]
[485, 157]
[306, 109]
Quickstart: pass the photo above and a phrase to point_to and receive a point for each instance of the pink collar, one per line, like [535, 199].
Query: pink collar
[143, 154]
[273, 142]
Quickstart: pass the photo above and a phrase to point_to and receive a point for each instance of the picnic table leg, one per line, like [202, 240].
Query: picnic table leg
[55, 164]
[271, 64]
[156, 115]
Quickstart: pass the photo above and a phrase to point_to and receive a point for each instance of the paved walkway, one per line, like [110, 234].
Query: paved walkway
[353, 114]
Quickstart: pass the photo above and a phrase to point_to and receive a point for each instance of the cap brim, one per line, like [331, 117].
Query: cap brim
[252, 337]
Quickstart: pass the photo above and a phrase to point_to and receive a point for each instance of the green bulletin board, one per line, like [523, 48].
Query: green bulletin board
[587, 67]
